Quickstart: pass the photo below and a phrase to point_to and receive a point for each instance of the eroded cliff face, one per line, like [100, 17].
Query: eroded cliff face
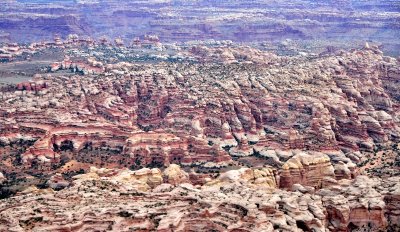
[241, 139]
[245, 200]
[204, 113]
[314, 170]
[302, 21]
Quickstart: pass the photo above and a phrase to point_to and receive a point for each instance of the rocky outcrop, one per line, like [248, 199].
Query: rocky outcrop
[265, 142]
[233, 22]
[141, 180]
[161, 149]
[253, 177]
[31, 86]
[360, 204]
[175, 175]
[392, 202]
[57, 182]
[200, 113]
[116, 199]
[314, 170]
[90, 66]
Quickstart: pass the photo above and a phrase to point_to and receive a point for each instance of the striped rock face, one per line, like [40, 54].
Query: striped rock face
[110, 199]
[199, 138]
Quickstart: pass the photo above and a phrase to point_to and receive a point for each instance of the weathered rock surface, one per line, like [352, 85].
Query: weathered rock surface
[265, 142]
[314, 170]
[244, 21]
[199, 113]
[57, 182]
[109, 199]
[252, 177]
[361, 204]
[175, 175]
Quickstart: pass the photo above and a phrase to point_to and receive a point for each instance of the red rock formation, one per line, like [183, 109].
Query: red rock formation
[237, 200]
[31, 86]
[329, 104]
[162, 149]
[313, 170]
[175, 175]
[360, 205]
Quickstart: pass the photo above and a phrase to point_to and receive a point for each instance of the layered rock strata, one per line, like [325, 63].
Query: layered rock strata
[204, 111]
[125, 200]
